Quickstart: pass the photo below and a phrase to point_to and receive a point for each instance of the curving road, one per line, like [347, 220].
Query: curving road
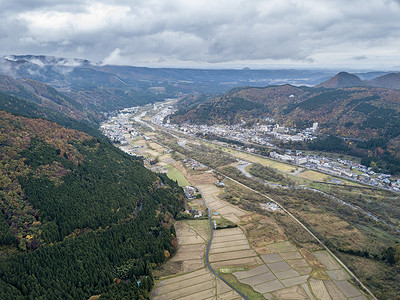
[208, 250]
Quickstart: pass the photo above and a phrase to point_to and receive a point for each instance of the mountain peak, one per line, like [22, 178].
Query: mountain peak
[390, 81]
[342, 79]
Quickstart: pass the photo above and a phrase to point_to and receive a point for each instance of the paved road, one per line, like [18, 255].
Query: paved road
[208, 250]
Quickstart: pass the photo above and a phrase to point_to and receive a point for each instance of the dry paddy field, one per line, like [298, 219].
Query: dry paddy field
[200, 284]
[157, 147]
[228, 211]
[230, 248]
[278, 270]
[194, 281]
[286, 274]
[192, 238]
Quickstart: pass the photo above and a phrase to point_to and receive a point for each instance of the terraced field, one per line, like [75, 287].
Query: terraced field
[231, 248]
[192, 238]
[199, 284]
[194, 280]
[285, 272]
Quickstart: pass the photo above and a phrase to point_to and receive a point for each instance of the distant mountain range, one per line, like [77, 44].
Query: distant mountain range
[100, 88]
[67, 73]
[344, 79]
[338, 99]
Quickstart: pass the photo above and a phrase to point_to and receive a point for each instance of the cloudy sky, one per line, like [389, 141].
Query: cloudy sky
[207, 33]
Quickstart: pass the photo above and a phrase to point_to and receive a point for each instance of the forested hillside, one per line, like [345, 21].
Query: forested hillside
[29, 109]
[241, 104]
[78, 216]
[47, 97]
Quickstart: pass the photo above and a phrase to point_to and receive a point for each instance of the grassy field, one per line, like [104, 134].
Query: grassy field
[244, 288]
[287, 168]
[176, 175]
[315, 176]
[223, 223]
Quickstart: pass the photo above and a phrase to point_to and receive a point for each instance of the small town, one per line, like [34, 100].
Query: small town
[121, 123]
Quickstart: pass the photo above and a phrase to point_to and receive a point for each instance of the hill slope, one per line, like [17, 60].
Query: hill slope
[44, 96]
[92, 213]
[374, 79]
[390, 81]
[342, 79]
[241, 104]
[29, 109]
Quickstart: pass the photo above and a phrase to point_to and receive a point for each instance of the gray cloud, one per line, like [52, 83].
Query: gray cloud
[179, 32]
[361, 57]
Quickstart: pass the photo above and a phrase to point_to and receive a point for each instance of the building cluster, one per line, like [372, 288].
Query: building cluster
[231, 132]
[296, 159]
[190, 192]
[339, 167]
[120, 124]
[261, 134]
[192, 164]
[162, 116]
[194, 213]
[286, 134]
[270, 206]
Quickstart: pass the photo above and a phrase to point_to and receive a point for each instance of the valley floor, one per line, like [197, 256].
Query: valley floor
[261, 264]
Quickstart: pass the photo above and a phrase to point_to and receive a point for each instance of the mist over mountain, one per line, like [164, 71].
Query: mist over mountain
[170, 149]
[101, 88]
[64, 72]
